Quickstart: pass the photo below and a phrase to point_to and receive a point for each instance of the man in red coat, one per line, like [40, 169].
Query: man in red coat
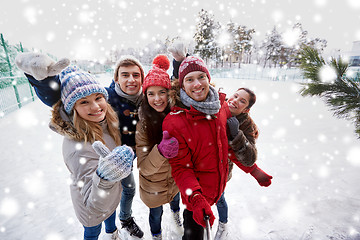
[198, 122]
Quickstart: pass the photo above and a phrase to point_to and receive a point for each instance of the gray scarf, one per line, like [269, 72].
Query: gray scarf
[210, 106]
[135, 99]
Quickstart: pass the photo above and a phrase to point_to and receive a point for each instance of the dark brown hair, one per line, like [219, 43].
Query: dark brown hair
[252, 99]
[152, 121]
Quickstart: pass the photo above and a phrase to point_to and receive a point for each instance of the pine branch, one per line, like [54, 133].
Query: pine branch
[310, 63]
[340, 66]
[342, 95]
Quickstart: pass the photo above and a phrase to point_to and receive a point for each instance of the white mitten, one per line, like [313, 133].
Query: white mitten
[178, 50]
[40, 65]
[116, 165]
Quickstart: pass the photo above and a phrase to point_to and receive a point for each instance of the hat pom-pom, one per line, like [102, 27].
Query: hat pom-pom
[162, 61]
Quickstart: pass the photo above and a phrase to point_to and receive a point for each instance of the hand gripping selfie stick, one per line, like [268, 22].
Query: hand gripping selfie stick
[208, 229]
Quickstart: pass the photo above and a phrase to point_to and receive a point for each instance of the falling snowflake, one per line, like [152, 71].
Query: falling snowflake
[31, 205]
[354, 3]
[291, 36]
[188, 192]
[322, 138]
[50, 36]
[30, 15]
[353, 156]
[82, 160]
[9, 207]
[54, 85]
[279, 133]
[78, 146]
[275, 95]
[277, 16]
[317, 18]
[297, 122]
[327, 74]
[320, 3]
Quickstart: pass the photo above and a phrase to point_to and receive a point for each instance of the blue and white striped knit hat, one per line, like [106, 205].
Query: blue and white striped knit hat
[76, 84]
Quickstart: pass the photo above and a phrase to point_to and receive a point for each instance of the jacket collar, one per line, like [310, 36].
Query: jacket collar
[192, 113]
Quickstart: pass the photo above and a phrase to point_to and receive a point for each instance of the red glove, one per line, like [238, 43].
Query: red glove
[201, 208]
[262, 177]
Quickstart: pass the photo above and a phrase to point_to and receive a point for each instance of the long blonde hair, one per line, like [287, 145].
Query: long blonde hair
[92, 131]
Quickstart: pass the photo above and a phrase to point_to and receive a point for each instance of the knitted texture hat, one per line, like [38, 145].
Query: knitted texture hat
[157, 76]
[76, 84]
[192, 64]
[125, 61]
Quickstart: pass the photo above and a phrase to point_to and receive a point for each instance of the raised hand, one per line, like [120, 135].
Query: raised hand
[169, 146]
[114, 165]
[40, 65]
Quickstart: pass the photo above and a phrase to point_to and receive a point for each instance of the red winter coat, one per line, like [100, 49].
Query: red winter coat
[201, 164]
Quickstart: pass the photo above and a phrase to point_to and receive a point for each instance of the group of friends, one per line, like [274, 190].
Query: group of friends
[185, 134]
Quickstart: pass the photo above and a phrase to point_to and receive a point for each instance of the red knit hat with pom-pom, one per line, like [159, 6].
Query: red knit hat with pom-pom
[157, 76]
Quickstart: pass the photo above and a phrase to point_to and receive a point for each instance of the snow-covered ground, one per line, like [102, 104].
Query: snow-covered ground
[313, 157]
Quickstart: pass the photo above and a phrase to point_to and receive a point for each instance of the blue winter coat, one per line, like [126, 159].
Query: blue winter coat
[127, 113]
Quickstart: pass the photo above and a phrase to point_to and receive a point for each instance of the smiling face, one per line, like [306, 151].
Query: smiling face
[157, 97]
[238, 102]
[92, 108]
[129, 79]
[196, 85]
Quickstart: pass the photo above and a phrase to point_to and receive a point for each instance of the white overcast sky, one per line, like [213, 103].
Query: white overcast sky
[89, 29]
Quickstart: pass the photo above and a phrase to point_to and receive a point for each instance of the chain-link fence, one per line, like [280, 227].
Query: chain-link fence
[14, 93]
[15, 90]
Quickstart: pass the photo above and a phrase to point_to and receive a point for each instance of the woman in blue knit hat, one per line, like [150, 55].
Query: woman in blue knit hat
[92, 151]
[124, 96]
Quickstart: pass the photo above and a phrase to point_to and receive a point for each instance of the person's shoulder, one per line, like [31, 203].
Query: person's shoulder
[176, 112]
[114, 98]
[174, 117]
[110, 90]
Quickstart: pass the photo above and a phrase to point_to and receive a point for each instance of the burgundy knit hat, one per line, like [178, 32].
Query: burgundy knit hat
[191, 64]
[157, 76]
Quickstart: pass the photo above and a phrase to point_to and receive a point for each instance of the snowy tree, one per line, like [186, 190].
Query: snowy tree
[332, 82]
[152, 49]
[317, 43]
[284, 48]
[242, 41]
[295, 40]
[206, 32]
[272, 46]
[145, 54]
[304, 40]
